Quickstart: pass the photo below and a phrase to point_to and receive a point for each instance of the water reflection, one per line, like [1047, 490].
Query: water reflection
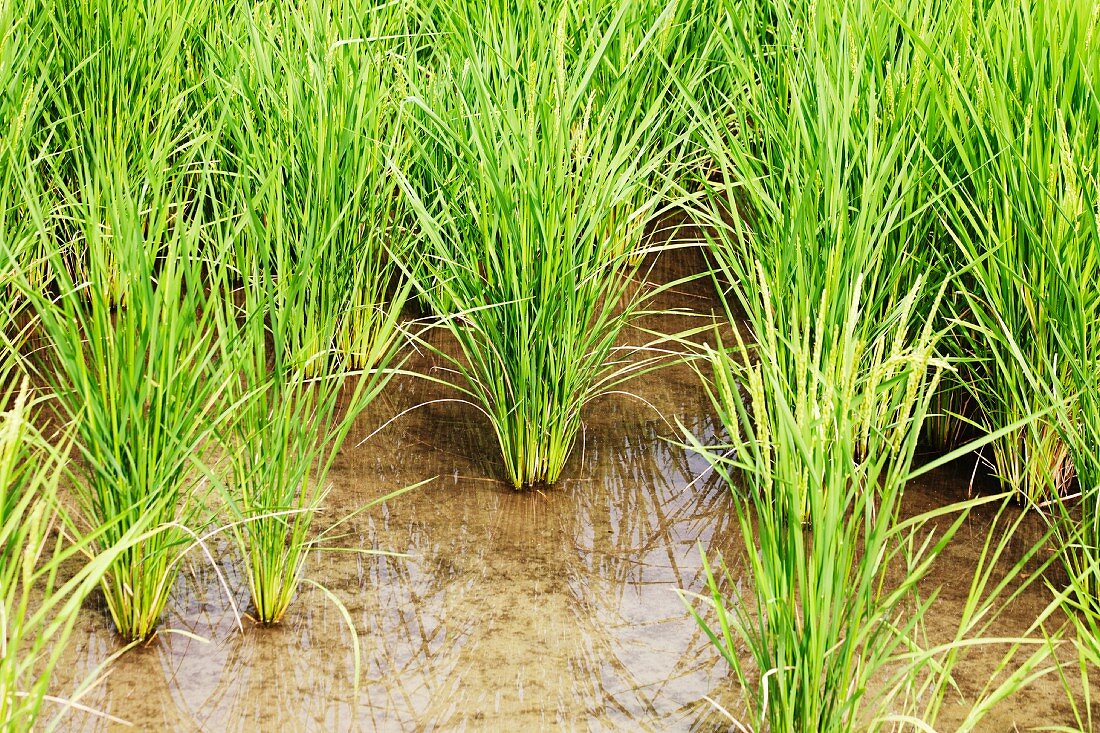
[639, 540]
[512, 610]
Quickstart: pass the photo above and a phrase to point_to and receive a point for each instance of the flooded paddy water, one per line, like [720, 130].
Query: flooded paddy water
[508, 610]
[503, 610]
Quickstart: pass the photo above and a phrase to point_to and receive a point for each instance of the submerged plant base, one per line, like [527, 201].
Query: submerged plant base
[537, 485]
[136, 616]
[535, 475]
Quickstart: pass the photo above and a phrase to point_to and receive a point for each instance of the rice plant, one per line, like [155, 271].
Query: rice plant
[536, 178]
[821, 506]
[1079, 517]
[816, 227]
[1074, 520]
[118, 106]
[1018, 105]
[140, 385]
[1065, 385]
[23, 52]
[1061, 377]
[661, 39]
[897, 678]
[812, 215]
[284, 434]
[44, 578]
[29, 560]
[1079, 598]
[40, 593]
[312, 97]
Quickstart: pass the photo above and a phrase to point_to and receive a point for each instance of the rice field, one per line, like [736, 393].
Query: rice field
[516, 365]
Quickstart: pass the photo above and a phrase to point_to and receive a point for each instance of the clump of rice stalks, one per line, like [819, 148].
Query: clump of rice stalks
[824, 639]
[1080, 516]
[1017, 102]
[950, 417]
[285, 432]
[660, 39]
[811, 214]
[820, 507]
[28, 475]
[1063, 379]
[818, 222]
[140, 385]
[536, 180]
[1076, 529]
[22, 50]
[312, 96]
[39, 601]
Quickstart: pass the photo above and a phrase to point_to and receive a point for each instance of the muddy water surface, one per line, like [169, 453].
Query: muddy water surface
[504, 611]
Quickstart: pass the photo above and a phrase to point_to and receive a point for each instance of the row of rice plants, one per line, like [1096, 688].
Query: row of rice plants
[184, 149]
[124, 262]
[40, 591]
[839, 218]
[808, 218]
[311, 97]
[283, 434]
[111, 186]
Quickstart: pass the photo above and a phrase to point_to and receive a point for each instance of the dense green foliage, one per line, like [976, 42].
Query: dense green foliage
[218, 218]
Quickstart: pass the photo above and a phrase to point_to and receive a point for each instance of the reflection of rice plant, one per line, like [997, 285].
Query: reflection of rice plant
[527, 214]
